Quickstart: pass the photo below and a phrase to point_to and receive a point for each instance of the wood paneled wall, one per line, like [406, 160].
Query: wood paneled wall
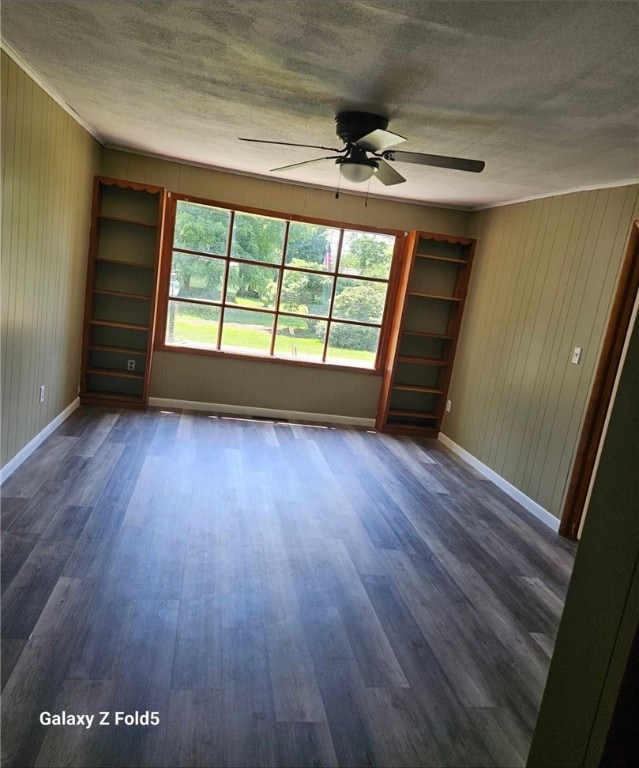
[48, 164]
[266, 385]
[543, 282]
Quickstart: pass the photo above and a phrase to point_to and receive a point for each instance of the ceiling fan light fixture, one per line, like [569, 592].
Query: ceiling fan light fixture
[357, 171]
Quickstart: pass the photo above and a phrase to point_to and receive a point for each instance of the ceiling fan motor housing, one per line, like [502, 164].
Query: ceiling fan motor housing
[351, 126]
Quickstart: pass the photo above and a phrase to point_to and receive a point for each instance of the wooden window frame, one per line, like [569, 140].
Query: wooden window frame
[165, 277]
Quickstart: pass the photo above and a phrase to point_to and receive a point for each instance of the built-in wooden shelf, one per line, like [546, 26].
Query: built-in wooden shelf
[431, 292]
[127, 223]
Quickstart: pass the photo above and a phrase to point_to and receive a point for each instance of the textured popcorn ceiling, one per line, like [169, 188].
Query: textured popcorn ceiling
[546, 93]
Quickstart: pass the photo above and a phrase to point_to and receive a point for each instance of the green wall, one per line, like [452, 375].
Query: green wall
[543, 280]
[48, 164]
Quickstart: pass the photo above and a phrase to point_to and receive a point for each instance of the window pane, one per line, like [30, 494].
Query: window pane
[312, 246]
[359, 300]
[352, 345]
[299, 338]
[201, 228]
[251, 286]
[259, 238]
[246, 331]
[196, 277]
[306, 293]
[367, 254]
[194, 325]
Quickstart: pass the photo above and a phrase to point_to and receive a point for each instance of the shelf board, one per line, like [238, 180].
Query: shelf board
[123, 263]
[124, 220]
[115, 372]
[422, 360]
[122, 350]
[124, 294]
[96, 394]
[114, 324]
[408, 414]
[434, 296]
[441, 258]
[418, 388]
[404, 428]
[428, 334]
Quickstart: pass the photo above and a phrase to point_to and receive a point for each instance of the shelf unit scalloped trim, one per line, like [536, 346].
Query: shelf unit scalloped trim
[135, 185]
[452, 239]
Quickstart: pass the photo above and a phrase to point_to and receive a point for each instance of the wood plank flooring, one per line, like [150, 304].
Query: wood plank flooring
[282, 595]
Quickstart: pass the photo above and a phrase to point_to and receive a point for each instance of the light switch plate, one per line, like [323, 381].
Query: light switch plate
[576, 355]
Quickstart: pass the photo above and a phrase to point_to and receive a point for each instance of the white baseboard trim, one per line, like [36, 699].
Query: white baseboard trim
[272, 413]
[526, 502]
[20, 457]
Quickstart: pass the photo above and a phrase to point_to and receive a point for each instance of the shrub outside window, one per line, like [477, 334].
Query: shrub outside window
[259, 285]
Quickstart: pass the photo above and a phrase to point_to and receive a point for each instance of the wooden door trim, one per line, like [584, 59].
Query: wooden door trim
[596, 412]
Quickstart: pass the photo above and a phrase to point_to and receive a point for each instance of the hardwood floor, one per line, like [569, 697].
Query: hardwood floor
[282, 595]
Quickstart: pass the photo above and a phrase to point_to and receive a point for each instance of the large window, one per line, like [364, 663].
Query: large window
[257, 285]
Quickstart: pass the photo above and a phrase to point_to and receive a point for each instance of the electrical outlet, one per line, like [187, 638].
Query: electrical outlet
[130, 365]
[41, 395]
[448, 404]
[576, 355]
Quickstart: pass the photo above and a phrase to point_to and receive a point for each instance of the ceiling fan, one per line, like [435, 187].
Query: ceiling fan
[367, 147]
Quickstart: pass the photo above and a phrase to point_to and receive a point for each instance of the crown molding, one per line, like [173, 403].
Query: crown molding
[558, 193]
[40, 81]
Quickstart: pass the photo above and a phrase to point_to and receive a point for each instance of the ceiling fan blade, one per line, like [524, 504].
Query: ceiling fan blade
[305, 162]
[288, 144]
[387, 174]
[379, 140]
[440, 161]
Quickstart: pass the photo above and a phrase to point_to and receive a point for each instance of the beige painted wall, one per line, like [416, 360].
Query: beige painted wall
[543, 282]
[267, 385]
[48, 164]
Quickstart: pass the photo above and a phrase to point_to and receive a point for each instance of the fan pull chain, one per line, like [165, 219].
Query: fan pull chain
[368, 186]
[339, 178]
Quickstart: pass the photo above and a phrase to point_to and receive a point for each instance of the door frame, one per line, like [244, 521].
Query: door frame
[602, 389]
